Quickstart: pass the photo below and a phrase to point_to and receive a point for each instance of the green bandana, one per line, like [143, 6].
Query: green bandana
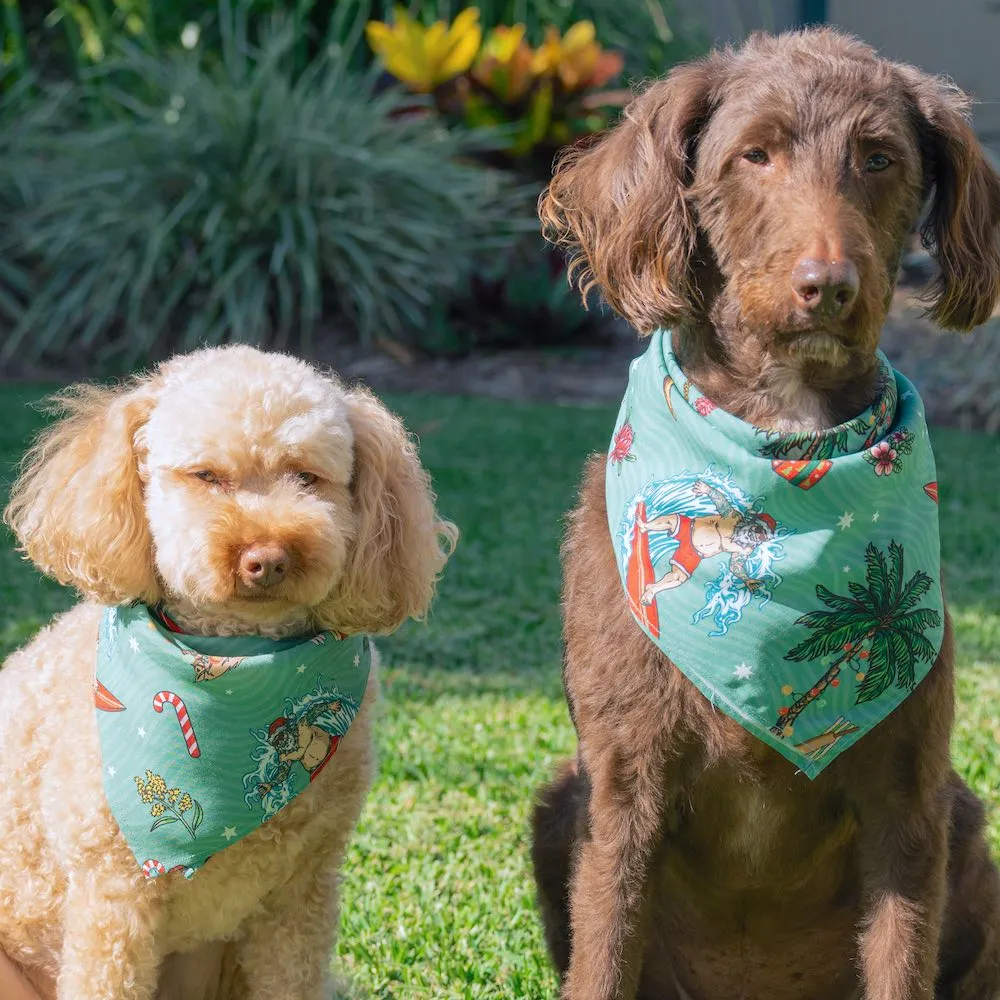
[203, 738]
[793, 578]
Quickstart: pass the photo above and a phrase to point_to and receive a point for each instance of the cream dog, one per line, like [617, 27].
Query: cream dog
[244, 493]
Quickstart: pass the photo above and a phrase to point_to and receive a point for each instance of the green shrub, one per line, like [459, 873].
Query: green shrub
[520, 298]
[235, 202]
[21, 119]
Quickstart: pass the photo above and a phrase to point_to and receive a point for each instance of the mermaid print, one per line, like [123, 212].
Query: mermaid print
[306, 732]
[672, 526]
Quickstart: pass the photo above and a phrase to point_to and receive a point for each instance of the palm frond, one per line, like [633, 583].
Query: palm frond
[864, 596]
[918, 621]
[846, 605]
[895, 573]
[915, 588]
[877, 574]
[827, 641]
[920, 646]
[881, 670]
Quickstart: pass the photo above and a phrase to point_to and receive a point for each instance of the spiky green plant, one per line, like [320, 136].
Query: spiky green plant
[235, 201]
[21, 120]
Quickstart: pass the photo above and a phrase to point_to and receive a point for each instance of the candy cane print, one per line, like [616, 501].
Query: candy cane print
[183, 718]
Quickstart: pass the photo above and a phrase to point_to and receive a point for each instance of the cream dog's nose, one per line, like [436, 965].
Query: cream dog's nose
[262, 565]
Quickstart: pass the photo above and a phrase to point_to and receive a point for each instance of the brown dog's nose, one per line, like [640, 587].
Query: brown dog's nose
[263, 564]
[827, 288]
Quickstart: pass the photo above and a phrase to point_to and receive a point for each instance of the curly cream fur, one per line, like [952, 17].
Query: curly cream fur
[107, 501]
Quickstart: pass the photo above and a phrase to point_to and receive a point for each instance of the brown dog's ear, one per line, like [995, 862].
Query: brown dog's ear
[619, 205]
[400, 545]
[962, 229]
[77, 507]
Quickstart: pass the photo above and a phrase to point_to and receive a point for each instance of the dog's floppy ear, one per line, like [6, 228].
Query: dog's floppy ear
[619, 205]
[400, 545]
[962, 228]
[77, 507]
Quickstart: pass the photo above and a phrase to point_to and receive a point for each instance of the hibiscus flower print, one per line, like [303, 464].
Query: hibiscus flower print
[883, 457]
[886, 456]
[621, 446]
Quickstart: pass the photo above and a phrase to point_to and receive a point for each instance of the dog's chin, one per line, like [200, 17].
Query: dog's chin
[271, 604]
[823, 347]
[267, 614]
[230, 608]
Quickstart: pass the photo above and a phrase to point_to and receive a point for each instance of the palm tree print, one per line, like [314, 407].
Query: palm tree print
[878, 631]
[815, 445]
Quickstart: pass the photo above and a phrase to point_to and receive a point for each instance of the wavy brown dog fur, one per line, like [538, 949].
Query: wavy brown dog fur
[679, 858]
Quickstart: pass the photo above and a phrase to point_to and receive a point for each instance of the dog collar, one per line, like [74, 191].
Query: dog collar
[203, 738]
[793, 578]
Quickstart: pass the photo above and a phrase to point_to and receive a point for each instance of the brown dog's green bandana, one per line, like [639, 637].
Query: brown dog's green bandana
[203, 738]
[793, 578]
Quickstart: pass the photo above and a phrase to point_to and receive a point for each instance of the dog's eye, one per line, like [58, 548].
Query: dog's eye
[877, 162]
[306, 478]
[756, 156]
[206, 476]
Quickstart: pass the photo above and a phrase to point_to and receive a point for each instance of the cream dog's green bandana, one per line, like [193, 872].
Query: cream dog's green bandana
[793, 578]
[203, 738]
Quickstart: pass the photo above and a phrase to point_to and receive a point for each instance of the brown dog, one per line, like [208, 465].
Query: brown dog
[756, 202]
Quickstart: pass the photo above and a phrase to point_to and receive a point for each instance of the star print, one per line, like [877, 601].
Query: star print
[875, 517]
[302, 669]
[133, 644]
[845, 521]
[111, 771]
[847, 569]
[742, 672]
[229, 690]
[141, 733]
[229, 832]
[357, 659]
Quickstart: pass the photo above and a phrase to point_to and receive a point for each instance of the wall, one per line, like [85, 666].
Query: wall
[723, 21]
[958, 37]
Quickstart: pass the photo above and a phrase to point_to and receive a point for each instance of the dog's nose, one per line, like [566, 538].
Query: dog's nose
[263, 565]
[827, 288]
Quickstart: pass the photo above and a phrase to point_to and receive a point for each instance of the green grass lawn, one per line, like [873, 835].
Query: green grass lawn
[438, 900]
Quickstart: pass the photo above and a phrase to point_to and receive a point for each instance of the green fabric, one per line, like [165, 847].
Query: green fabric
[793, 578]
[203, 738]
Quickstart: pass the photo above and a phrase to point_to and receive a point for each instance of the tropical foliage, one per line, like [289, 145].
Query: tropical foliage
[178, 173]
[63, 37]
[548, 96]
[878, 631]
